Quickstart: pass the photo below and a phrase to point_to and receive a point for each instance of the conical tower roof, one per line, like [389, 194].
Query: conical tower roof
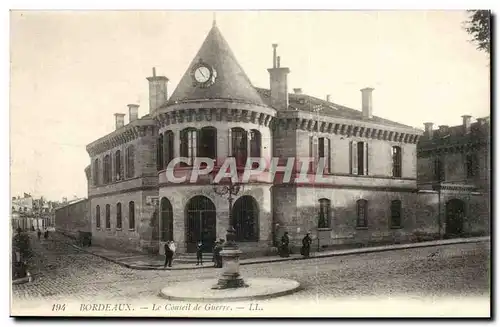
[231, 81]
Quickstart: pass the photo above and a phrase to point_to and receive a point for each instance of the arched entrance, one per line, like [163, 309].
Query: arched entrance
[200, 223]
[245, 219]
[166, 221]
[455, 212]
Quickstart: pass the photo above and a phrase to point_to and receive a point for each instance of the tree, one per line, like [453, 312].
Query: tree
[478, 26]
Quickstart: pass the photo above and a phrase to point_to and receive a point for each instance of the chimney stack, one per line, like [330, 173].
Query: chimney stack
[328, 98]
[274, 55]
[133, 112]
[466, 123]
[157, 91]
[279, 83]
[119, 120]
[297, 91]
[481, 121]
[366, 102]
[428, 129]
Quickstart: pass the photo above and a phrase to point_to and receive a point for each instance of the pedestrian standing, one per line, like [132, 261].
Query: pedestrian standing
[199, 253]
[168, 255]
[285, 242]
[306, 245]
[39, 233]
[219, 250]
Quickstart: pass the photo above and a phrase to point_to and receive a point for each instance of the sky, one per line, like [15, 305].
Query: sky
[71, 71]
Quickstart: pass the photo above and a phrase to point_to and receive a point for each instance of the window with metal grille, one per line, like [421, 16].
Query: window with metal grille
[131, 215]
[98, 217]
[324, 213]
[119, 216]
[108, 216]
[396, 213]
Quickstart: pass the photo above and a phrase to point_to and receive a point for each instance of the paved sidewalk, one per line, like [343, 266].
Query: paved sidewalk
[152, 262]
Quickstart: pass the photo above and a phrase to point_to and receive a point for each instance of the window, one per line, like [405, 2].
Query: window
[98, 217]
[396, 214]
[107, 170]
[438, 170]
[324, 152]
[189, 144]
[324, 213]
[471, 165]
[119, 216]
[131, 215]
[96, 172]
[168, 148]
[159, 153]
[239, 141]
[208, 142]
[396, 161]
[362, 210]
[108, 216]
[118, 165]
[359, 158]
[130, 161]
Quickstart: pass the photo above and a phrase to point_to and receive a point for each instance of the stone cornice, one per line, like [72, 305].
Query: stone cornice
[295, 120]
[127, 133]
[437, 149]
[182, 116]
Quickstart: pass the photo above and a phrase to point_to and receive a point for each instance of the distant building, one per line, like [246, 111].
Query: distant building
[455, 162]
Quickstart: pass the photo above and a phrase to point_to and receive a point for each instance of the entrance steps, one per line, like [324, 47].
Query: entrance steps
[190, 258]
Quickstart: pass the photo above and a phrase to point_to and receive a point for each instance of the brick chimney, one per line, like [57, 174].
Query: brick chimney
[428, 130]
[157, 91]
[366, 102]
[297, 91]
[119, 120]
[278, 83]
[133, 112]
[466, 123]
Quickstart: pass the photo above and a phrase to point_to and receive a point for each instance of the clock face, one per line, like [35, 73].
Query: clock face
[202, 74]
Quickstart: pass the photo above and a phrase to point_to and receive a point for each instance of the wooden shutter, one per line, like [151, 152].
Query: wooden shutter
[313, 151]
[354, 157]
[230, 143]
[365, 161]
[328, 155]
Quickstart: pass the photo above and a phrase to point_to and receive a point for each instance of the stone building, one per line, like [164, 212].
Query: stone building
[454, 165]
[369, 192]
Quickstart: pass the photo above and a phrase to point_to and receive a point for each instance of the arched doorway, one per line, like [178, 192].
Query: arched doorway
[166, 221]
[245, 219]
[200, 223]
[455, 212]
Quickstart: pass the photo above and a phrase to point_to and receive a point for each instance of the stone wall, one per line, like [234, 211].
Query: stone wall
[73, 218]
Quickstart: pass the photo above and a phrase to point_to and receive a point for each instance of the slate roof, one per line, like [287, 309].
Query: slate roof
[307, 103]
[231, 83]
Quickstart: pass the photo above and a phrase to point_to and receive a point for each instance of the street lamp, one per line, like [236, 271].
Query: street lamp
[231, 277]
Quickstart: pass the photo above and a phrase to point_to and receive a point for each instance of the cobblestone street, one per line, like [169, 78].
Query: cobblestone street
[462, 270]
